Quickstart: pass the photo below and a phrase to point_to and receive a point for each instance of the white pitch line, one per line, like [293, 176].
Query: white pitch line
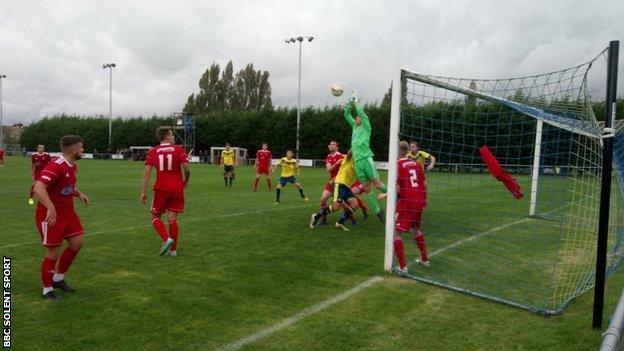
[477, 236]
[495, 229]
[276, 208]
[299, 316]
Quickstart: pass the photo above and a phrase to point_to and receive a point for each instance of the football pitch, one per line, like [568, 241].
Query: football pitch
[249, 275]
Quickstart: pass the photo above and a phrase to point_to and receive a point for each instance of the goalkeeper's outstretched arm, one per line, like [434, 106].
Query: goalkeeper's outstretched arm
[348, 116]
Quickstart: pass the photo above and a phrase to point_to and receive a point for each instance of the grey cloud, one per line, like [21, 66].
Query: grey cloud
[52, 51]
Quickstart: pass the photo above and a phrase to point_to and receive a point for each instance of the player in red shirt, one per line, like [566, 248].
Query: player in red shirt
[1, 157]
[169, 160]
[39, 161]
[56, 218]
[262, 164]
[332, 164]
[412, 187]
[333, 160]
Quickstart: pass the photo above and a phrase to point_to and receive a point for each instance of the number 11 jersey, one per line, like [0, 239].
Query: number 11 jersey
[167, 159]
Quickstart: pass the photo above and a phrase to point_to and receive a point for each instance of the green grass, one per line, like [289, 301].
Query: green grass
[245, 265]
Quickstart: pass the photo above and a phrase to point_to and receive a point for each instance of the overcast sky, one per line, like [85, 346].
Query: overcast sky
[52, 51]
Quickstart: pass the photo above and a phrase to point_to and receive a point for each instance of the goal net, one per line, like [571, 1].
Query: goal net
[537, 251]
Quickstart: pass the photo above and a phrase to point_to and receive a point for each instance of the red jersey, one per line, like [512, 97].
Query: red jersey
[39, 162]
[60, 177]
[264, 157]
[167, 159]
[1, 154]
[331, 160]
[411, 181]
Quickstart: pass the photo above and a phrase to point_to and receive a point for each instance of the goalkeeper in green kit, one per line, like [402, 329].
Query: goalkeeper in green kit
[362, 154]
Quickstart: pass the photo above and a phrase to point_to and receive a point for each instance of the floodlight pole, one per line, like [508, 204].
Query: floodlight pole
[300, 40]
[299, 100]
[110, 67]
[605, 189]
[2, 77]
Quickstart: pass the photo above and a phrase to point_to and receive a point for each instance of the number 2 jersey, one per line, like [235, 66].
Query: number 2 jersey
[167, 159]
[411, 182]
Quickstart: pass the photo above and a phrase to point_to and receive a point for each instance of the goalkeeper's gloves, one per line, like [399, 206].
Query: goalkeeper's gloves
[353, 98]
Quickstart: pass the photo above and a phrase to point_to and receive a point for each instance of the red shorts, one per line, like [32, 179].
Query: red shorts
[67, 225]
[408, 215]
[167, 200]
[358, 186]
[329, 187]
[262, 169]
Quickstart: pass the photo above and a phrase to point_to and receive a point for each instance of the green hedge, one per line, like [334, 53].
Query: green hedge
[246, 129]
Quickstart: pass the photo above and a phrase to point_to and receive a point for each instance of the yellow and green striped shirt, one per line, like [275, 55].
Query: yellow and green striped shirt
[228, 157]
[419, 156]
[289, 167]
[346, 174]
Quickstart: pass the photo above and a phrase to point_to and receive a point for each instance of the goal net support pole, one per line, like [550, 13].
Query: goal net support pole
[605, 191]
[536, 166]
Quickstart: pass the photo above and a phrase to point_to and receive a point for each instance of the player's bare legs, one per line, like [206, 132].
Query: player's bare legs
[67, 258]
[361, 204]
[173, 232]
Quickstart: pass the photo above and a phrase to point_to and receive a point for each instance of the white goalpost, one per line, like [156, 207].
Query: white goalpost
[395, 117]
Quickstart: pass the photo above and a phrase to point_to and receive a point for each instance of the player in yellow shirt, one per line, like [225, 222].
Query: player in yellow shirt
[343, 196]
[228, 161]
[290, 167]
[421, 156]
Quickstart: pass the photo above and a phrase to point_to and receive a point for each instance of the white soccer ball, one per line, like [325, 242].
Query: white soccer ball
[336, 89]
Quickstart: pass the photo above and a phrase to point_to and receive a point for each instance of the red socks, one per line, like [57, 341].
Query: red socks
[160, 228]
[47, 271]
[420, 241]
[255, 186]
[173, 232]
[67, 257]
[362, 204]
[399, 251]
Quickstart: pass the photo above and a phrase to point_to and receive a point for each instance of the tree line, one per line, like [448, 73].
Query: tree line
[247, 129]
[277, 126]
